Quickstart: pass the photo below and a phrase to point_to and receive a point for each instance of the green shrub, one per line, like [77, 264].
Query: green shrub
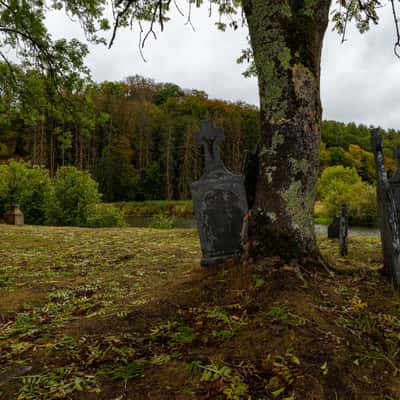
[3, 188]
[176, 208]
[162, 221]
[361, 200]
[333, 177]
[72, 199]
[26, 185]
[105, 215]
[323, 220]
[4, 152]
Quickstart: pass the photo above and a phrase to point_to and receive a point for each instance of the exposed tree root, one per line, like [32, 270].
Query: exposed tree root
[295, 267]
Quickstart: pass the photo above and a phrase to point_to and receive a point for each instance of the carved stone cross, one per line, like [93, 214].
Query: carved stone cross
[210, 138]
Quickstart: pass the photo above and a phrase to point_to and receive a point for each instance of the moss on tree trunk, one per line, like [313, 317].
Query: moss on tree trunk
[286, 38]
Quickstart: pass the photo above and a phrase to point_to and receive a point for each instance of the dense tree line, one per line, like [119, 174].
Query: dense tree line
[350, 145]
[136, 136]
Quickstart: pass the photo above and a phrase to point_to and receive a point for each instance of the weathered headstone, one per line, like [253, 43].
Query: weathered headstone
[343, 231]
[388, 210]
[14, 215]
[219, 200]
[334, 228]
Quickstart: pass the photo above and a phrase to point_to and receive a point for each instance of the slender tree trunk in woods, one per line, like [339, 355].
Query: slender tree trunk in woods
[141, 163]
[76, 147]
[147, 148]
[42, 143]
[168, 165]
[80, 152]
[286, 38]
[52, 155]
[94, 148]
[189, 165]
[34, 152]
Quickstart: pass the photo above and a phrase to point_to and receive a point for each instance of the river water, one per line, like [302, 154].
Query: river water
[353, 230]
[190, 223]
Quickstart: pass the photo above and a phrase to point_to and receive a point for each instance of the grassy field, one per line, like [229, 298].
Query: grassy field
[129, 314]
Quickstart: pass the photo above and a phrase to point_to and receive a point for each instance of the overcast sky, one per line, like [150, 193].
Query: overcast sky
[360, 78]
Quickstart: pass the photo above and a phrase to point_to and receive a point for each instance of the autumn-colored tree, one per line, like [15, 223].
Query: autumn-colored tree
[363, 162]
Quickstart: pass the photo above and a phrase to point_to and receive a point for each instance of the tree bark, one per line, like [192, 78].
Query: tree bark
[286, 38]
[168, 165]
[42, 157]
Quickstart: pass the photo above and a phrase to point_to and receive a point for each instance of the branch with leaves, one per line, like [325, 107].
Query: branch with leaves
[364, 13]
[24, 36]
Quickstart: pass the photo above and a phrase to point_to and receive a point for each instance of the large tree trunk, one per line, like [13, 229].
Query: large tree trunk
[286, 37]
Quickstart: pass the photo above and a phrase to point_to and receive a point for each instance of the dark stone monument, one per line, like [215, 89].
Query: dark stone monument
[219, 200]
[14, 215]
[334, 228]
[250, 171]
[388, 206]
[395, 180]
[343, 231]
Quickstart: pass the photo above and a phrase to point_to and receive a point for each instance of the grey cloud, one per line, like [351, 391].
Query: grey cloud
[359, 80]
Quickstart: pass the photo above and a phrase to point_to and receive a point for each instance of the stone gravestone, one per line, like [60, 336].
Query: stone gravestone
[219, 200]
[334, 228]
[388, 192]
[14, 215]
[343, 231]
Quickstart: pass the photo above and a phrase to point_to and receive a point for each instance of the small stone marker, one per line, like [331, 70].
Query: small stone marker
[334, 228]
[389, 211]
[343, 231]
[219, 200]
[14, 215]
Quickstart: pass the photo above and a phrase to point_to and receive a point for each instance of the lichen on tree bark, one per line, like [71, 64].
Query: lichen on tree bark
[286, 37]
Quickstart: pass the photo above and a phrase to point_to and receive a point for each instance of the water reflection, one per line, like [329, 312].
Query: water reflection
[190, 223]
[353, 230]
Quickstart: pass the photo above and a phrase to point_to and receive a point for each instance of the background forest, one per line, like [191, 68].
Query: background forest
[135, 137]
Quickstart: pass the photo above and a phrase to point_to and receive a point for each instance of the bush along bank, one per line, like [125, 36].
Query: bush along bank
[71, 198]
[342, 185]
[150, 208]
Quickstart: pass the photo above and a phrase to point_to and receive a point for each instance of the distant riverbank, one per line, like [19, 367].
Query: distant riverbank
[179, 214]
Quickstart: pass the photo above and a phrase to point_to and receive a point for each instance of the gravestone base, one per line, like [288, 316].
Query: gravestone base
[220, 206]
[214, 261]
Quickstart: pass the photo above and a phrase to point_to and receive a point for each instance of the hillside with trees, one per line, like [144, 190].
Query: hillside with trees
[136, 136]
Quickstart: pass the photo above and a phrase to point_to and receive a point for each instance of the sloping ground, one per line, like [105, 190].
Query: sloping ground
[128, 314]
